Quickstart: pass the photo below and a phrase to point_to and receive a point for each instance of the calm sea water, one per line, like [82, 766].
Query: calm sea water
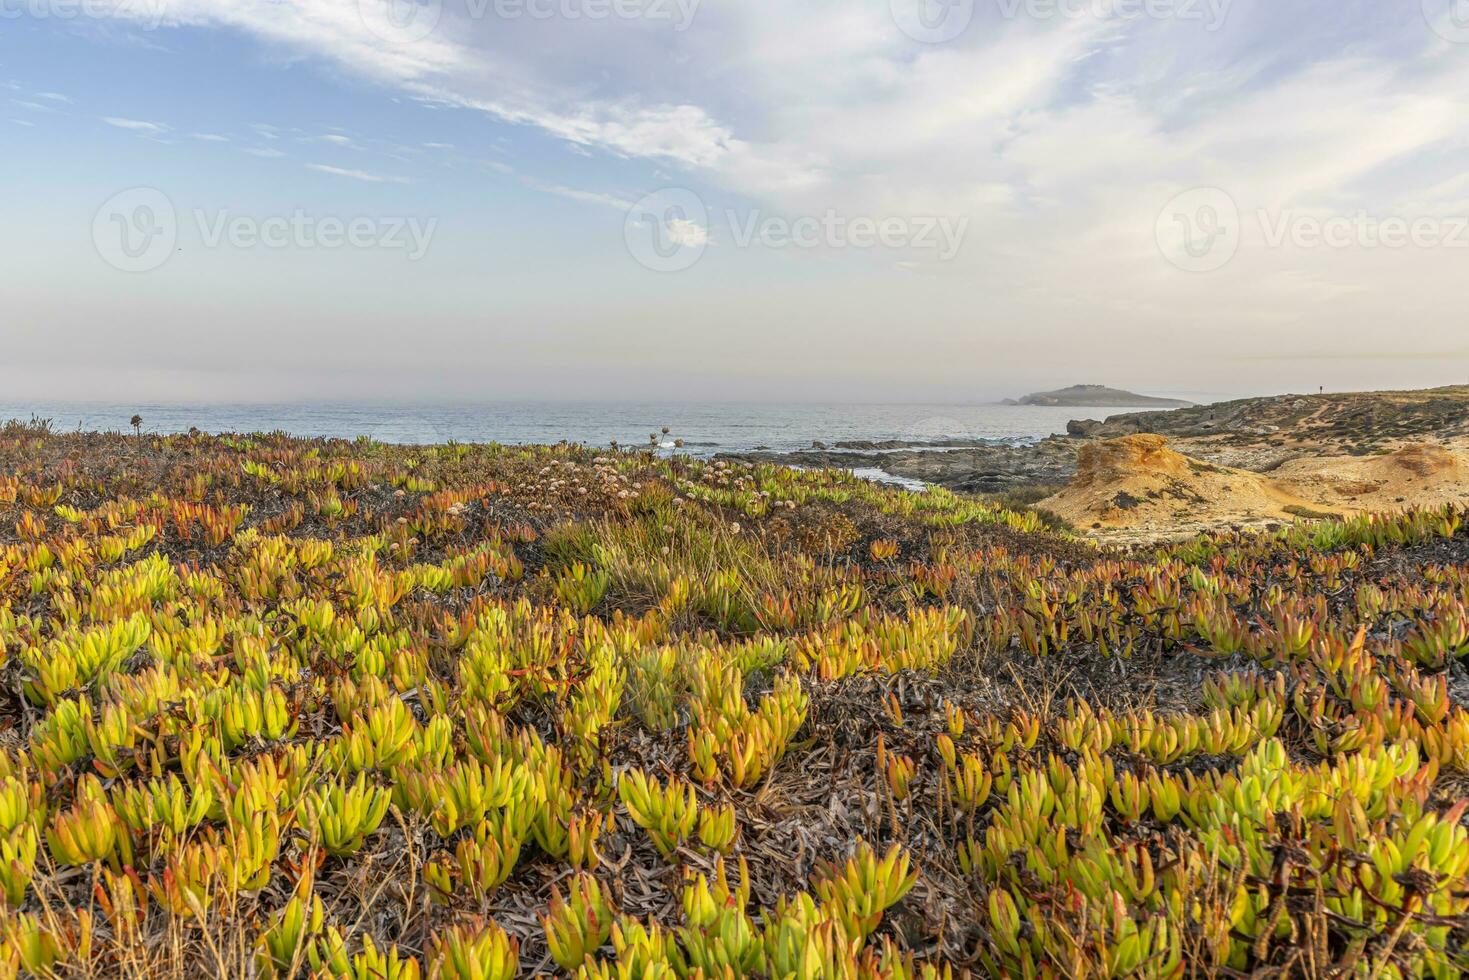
[705, 428]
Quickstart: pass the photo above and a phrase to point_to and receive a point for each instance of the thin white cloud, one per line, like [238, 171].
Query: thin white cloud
[337, 139]
[576, 194]
[361, 175]
[54, 97]
[136, 125]
[23, 122]
[455, 71]
[210, 138]
[264, 152]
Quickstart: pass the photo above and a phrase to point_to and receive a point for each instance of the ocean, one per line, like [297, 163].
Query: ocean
[706, 429]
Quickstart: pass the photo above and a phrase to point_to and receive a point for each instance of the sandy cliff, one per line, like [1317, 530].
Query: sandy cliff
[1138, 488]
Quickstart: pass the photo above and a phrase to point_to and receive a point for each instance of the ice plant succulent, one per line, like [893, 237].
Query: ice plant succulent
[474, 951]
[262, 681]
[578, 924]
[858, 892]
[667, 812]
[341, 816]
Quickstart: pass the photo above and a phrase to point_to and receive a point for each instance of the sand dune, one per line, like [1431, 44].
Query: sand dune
[1416, 474]
[1136, 487]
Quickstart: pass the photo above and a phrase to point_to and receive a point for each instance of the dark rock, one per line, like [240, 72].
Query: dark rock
[1083, 427]
[982, 468]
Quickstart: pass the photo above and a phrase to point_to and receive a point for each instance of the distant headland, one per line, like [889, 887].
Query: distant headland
[1095, 396]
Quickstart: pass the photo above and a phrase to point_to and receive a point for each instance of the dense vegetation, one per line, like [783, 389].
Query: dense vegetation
[278, 707]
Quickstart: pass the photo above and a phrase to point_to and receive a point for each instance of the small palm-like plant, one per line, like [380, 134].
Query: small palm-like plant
[577, 925]
[487, 858]
[717, 828]
[858, 892]
[668, 813]
[340, 818]
[17, 863]
[582, 587]
[283, 944]
[475, 951]
[86, 832]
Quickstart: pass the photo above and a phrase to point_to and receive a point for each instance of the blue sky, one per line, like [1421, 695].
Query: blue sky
[1033, 167]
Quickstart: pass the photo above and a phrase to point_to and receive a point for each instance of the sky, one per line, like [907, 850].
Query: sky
[866, 200]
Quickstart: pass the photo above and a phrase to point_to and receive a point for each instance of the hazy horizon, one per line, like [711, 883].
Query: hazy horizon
[795, 398]
[427, 402]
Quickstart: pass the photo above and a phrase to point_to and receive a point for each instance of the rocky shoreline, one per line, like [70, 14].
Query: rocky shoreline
[986, 468]
[1257, 434]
